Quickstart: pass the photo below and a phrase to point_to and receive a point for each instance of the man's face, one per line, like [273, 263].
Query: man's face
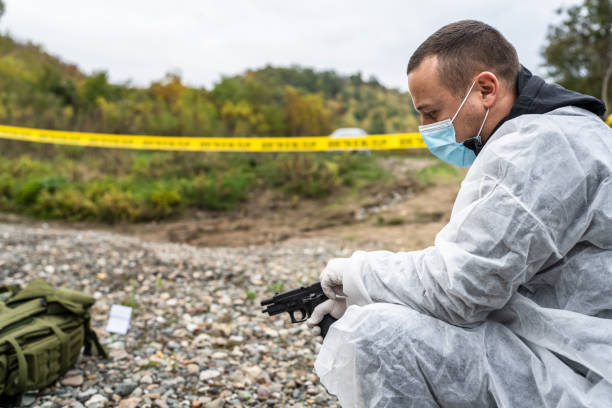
[435, 102]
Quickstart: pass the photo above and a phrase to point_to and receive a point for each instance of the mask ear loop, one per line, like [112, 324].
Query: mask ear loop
[483, 122]
[464, 100]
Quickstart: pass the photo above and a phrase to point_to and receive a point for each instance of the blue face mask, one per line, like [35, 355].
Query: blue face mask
[440, 139]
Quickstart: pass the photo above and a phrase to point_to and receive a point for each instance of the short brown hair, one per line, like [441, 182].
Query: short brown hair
[465, 48]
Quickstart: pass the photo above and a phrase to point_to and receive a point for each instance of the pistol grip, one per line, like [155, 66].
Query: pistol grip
[327, 321]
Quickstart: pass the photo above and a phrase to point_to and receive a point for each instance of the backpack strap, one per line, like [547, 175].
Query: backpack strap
[22, 365]
[64, 340]
[24, 310]
[92, 338]
[69, 305]
[37, 288]
[6, 292]
[73, 301]
[12, 289]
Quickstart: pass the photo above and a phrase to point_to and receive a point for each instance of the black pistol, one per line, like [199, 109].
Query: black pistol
[302, 300]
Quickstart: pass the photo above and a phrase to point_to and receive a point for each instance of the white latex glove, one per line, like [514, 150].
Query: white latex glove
[335, 308]
[331, 277]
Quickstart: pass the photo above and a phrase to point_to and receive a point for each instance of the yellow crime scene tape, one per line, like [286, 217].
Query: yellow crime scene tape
[218, 144]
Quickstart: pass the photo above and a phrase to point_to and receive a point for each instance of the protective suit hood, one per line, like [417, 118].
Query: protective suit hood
[536, 96]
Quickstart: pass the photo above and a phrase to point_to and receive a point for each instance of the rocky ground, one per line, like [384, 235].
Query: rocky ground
[198, 337]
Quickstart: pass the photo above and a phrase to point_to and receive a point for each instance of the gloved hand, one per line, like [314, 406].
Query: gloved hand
[331, 277]
[335, 308]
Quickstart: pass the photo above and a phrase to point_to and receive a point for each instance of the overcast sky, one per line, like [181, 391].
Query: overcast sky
[141, 40]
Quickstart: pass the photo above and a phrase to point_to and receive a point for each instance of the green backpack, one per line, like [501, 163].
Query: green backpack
[42, 330]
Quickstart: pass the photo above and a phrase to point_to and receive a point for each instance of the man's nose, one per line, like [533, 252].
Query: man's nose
[425, 120]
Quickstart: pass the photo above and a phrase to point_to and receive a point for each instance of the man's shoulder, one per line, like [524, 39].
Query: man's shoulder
[562, 129]
[555, 148]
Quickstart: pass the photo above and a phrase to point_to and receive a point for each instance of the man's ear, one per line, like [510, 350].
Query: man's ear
[488, 88]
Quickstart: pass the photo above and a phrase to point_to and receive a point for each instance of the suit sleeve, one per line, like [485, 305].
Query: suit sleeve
[519, 217]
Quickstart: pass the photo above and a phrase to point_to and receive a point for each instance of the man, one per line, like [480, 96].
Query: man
[512, 305]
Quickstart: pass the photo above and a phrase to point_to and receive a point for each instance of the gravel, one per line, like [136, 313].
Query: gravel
[197, 338]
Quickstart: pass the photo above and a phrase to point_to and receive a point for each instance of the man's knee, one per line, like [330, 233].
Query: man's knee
[429, 358]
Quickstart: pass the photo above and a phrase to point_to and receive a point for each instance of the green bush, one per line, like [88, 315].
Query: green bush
[25, 166]
[7, 186]
[219, 191]
[436, 172]
[164, 200]
[69, 204]
[26, 193]
[129, 186]
[315, 175]
[115, 205]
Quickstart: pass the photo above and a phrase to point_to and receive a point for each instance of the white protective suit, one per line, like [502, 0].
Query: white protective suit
[512, 306]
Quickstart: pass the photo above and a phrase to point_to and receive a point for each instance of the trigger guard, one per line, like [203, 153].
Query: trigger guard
[303, 316]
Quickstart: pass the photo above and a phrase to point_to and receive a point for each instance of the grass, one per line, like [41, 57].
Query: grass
[436, 172]
[391, 221]
[131, 301]
[114, 186]
[150, 365]
[276, 287]
[124, 186]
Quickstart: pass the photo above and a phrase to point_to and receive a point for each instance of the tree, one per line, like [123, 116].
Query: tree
[579, 49]
[2, 8]
[377, 125]
[306, 114]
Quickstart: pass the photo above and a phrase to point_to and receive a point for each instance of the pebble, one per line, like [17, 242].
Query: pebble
[131, 402]
[159, 403]
[218, 403]
[263, 392]
[254, 372]
[244, 395]
[125, 388]
[97, 401]
[209, 374]
[82, 396]
[193, 369]
[146, 379]
[74, 381]
[28, 400]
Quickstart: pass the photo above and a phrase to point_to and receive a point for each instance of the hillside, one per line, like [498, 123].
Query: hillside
[39, 90]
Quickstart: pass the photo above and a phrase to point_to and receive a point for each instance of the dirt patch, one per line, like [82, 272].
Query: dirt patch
[404, 215]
